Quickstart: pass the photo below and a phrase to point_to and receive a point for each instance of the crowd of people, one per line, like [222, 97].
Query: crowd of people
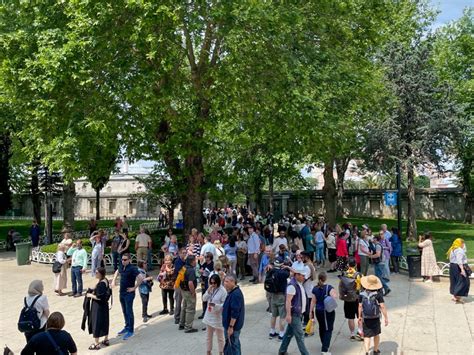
[284, 258]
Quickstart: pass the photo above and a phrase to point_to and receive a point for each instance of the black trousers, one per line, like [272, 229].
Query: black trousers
[165, 295]
[145, 298]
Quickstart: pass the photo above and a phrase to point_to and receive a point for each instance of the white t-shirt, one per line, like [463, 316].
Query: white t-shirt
[363, 243]
[290, 290]
[331, 241]
[41, 305]
[142, 240]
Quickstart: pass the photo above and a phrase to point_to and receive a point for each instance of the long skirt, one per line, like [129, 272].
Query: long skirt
[60, 279]
[458, 284]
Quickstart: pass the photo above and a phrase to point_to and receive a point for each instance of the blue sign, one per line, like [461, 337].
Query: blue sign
[390, 198]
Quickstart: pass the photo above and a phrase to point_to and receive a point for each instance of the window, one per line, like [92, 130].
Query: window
[112, 206]
[132, 206]
[91, 206]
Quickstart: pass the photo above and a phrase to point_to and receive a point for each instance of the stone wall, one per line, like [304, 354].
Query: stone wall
[430, 203]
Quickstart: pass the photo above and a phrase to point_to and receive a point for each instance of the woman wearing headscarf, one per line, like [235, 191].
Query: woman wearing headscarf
[60, 279]
[429, 267]
[35, 294]
[459, 270]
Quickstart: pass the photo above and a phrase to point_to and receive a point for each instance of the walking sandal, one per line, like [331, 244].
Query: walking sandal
[94, 347]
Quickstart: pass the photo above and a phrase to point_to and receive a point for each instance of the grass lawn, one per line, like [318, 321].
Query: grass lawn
[444, 232]
[23, 226]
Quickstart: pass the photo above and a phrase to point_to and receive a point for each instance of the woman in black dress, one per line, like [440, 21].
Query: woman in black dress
[99, 313]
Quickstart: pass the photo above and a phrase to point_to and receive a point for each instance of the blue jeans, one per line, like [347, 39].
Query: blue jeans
[380, 273]
[116, 261]
[320, 252]
[149, 260]
[295, 328]
[232, 344]
[76, 279]
[95, 261]
[126, 300]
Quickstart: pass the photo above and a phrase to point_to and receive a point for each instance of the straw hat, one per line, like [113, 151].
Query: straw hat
[371, 283]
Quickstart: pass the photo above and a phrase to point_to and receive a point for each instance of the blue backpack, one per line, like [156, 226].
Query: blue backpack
[370, 305]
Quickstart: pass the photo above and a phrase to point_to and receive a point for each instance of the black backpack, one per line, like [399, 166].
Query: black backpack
[270, 283]
[370, 305]
[29, 320]
[348, 288]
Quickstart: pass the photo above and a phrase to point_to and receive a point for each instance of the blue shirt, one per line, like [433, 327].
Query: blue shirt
[320, 294]
[234, 307]
[178, 264]
[128, 275]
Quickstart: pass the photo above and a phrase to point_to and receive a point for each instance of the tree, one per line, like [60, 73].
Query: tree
[416, 131]
[453, 50]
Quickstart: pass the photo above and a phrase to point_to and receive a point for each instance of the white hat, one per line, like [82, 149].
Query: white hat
[299, 268]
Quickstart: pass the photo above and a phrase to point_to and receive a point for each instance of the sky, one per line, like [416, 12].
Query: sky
[450, 10]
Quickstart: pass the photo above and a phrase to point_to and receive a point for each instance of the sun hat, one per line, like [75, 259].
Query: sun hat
[299, 268]
[371, 282]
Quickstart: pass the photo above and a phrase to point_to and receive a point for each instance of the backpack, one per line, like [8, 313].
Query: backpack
[348, 288]
[29, 319]
[330, 304]
[380, 258]
[270, 283]
[180, 277]
[370, 305]
[57, 266]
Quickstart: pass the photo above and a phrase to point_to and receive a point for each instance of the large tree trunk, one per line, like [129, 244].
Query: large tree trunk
[467, 193]
[35, 192]
[170, 216]
[270, 191]
[341, 167]
[193, 198]
[5, 155]
[411, 213]
[97, 203]
[69, 194]
[329, 190]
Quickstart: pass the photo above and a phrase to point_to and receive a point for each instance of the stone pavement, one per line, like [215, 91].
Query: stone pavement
[423, 320]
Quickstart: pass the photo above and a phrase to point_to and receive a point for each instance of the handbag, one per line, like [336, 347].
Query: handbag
[57, 267]
[467, 270]
[309, 327]
[330, 304]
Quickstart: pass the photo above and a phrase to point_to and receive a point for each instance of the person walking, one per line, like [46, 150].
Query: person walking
[319, 241]
[167, 279]
[396, 250]
[78, 267]
[279, 277]
[429, 267]
[253, 246]
[341, 251]
[99, 311]
[214, 297]
[188, 289]
[144, 289]
[387, 250]
[371, 307]
[130, 279]
[295, 305]
[319, 311]
[349, 288]
[53, 341]
[36, 299]
[233, 315]
[331, 246]
[60, 278]
[459, 271]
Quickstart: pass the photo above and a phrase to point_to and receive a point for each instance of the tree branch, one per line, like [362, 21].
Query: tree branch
[216, 52]
[189, 48]
[206, 46]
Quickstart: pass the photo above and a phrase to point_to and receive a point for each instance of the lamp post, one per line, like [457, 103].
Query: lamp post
[399, 200]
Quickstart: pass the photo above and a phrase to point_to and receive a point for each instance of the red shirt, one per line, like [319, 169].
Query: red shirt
[341, 247]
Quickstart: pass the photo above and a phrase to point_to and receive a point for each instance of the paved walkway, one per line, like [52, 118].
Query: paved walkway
[422, 318]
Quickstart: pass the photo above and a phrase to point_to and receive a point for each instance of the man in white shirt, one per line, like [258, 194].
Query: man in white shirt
[142, 244]
[208, 247]
[281, 239]
[253, 246]
[295, 306]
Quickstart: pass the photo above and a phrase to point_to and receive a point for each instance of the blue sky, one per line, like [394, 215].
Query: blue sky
[450, 10]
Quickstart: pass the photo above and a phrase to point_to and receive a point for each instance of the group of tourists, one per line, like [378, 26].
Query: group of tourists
[283, 257]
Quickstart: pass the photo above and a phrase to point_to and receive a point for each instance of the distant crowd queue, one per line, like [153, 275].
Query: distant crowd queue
[282, 256]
